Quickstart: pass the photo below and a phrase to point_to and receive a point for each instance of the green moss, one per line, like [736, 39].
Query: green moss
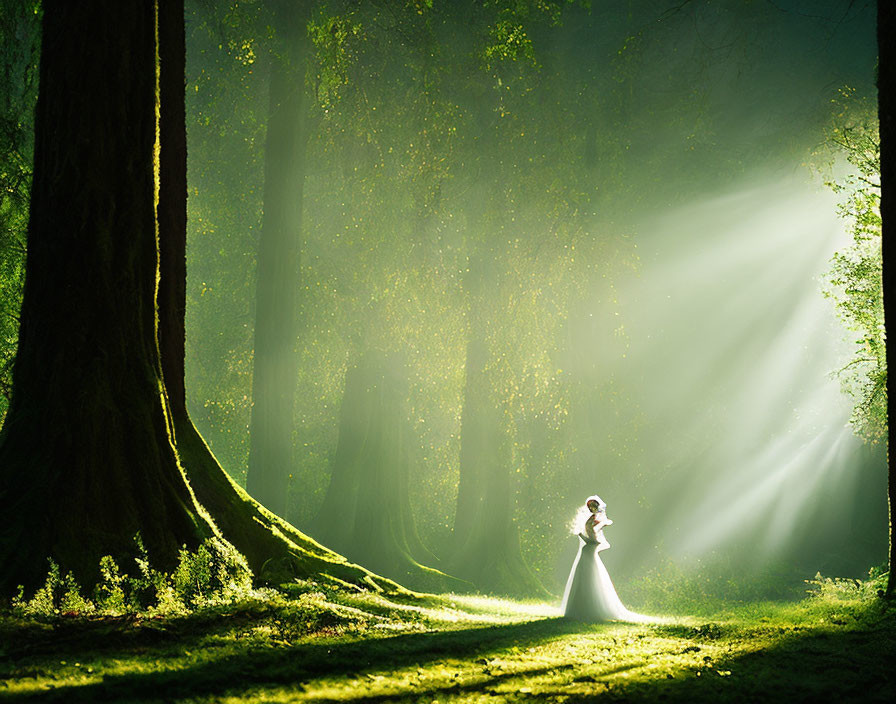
[317, 643]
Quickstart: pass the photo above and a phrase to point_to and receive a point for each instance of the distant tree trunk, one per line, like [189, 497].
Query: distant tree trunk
[486, 539]
[274, 549]
[478, 433]
[277, 276]
[366, 514]
[886, 95]
[87, 458]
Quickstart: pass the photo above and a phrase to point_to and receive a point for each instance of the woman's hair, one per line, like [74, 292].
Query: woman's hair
[577, 525]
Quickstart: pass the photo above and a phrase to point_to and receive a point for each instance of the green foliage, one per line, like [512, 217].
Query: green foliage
[19, 50]
[109, 594]
[45, 600]
[334, 38]
[214, 574]
[509, 42]
[58, 595]
[72, 601]
[844, 589]
[225, 108]
[854, 279]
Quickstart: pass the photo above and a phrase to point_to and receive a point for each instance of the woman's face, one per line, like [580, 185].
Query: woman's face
[592, 506]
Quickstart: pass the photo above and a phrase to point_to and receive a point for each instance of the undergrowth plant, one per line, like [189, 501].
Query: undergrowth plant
[840, 589]
[215, 573]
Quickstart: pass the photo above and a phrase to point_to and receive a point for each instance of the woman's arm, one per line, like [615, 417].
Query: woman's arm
[601, 521]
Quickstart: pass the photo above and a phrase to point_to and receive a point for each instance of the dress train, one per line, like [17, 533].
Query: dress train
[590, 594]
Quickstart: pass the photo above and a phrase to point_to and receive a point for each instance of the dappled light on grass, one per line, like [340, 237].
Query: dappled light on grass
[451, 649]
[485, 605]
[458, 608]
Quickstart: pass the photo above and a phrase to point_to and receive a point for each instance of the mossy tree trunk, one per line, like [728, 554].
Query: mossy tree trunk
[277, 277]
[366, 514]
[886, 91]
[274, 549]
[87, 454]
[87, 457]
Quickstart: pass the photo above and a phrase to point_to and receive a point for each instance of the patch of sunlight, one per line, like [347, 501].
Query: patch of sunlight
[506, 607]
[457, 608]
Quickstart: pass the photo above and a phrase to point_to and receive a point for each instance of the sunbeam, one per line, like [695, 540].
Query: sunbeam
[731, 346]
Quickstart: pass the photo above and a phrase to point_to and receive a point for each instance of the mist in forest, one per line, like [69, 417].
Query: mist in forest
[540, 258]
[745, 445]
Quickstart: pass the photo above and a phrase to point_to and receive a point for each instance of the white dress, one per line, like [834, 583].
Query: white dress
[590, 594]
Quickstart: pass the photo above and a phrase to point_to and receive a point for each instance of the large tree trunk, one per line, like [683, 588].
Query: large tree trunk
[366, 514]
[886, 94]
[277, 276]
[274, 549]
[87, 458]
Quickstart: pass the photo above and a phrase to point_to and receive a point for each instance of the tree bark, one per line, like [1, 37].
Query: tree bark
[886, 92]
[171, 211]
[87, 458]
[277, 277]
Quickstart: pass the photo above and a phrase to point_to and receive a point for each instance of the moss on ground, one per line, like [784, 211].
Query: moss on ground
[320, 645]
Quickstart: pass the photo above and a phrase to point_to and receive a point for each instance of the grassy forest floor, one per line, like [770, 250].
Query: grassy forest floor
[343, 647]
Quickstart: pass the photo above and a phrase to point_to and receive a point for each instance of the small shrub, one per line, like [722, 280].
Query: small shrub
[45, 600]
[109, 594]
[147, 586]
[71, 600]
[845, 589]
[214, 574]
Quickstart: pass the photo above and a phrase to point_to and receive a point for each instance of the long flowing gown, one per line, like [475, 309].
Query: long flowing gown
[590, 594]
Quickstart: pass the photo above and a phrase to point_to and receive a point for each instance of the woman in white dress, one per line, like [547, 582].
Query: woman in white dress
[590, 594]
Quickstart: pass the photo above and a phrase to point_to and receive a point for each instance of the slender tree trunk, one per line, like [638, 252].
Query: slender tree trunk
[486, 538]
[274, 549]
[886, 93]
[277, 276]
[477, 437]
[87, 458]
[486, 547]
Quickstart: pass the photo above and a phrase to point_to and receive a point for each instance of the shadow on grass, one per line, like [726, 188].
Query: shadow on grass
[844, 666]
[801, 666]
[69, 638]
[298, 664]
